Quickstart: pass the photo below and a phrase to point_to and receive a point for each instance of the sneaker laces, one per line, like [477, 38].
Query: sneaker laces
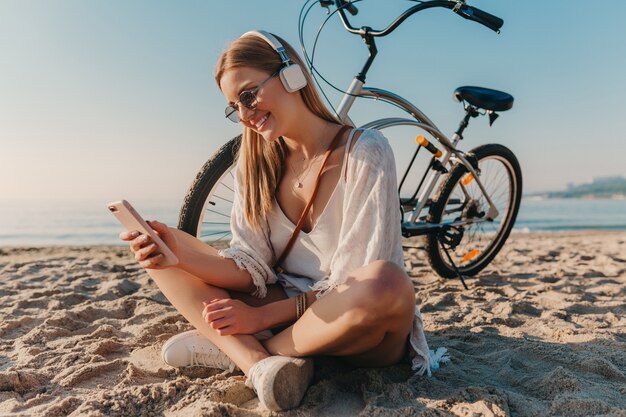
[213, 358]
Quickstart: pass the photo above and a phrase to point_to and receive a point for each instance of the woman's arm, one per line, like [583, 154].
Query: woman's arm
[194, 256]
[250, 248]
[283, 312]
[245, 266]
[230, 316]
[204, 262]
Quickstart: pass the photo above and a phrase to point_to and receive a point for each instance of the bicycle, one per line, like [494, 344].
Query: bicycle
[472, 214]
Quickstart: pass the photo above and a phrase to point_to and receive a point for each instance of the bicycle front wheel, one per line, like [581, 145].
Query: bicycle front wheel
[473, 240]
[207, 207]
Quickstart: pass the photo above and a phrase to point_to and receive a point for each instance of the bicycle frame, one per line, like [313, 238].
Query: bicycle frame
[412, 226]
[450, 152]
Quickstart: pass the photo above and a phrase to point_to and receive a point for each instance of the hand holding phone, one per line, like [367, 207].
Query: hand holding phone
[131, 220]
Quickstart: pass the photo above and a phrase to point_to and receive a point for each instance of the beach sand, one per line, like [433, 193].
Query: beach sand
[540, 332]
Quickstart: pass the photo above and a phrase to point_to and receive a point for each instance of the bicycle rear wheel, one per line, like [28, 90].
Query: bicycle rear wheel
[474, 244]
[207, 207]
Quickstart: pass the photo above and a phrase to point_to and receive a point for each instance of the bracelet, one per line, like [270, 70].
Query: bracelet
[300, 305]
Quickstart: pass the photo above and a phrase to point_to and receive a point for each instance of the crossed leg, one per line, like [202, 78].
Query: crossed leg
[366, 319]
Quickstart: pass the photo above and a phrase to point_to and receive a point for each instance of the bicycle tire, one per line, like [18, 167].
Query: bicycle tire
[210, 197]
[477, 251]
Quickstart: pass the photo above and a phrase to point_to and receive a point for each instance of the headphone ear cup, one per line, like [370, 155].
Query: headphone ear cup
[293, 78]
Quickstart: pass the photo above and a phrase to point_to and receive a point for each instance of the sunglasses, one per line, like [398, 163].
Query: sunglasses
[247, 99]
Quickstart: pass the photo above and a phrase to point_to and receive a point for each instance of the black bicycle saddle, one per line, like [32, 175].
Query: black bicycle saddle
[484, 98]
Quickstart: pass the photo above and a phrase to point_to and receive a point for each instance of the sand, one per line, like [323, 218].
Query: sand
[541, 332]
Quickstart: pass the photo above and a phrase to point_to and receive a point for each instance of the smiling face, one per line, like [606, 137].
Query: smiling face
[276, 109]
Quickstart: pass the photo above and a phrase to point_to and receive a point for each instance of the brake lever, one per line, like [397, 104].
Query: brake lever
[351, 8]
[347, 5]
[326, 4]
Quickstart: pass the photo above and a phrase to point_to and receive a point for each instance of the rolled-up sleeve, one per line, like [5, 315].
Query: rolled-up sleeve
[249, 248]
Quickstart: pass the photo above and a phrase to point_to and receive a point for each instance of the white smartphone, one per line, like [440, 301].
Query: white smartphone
[131, 220]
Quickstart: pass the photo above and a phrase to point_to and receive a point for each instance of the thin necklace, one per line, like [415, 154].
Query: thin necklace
[304, 173]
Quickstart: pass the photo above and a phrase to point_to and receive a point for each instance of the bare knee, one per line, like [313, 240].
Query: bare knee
[386, 281]
[382, 290]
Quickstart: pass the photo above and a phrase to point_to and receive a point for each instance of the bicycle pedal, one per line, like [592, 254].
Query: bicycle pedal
[449, 236]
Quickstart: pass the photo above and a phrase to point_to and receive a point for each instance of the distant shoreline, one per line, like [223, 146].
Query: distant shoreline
[548, 196]
[613, 187]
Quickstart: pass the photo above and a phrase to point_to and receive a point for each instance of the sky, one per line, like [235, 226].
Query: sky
[102, 100]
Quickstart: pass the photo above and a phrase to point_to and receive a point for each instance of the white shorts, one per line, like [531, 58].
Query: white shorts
[294, 284]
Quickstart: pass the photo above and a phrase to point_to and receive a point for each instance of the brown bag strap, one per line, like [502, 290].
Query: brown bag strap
[300, 223]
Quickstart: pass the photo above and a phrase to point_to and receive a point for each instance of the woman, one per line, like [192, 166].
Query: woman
[341, 289]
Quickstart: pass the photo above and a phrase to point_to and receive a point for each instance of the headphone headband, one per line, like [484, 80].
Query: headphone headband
[272, 41]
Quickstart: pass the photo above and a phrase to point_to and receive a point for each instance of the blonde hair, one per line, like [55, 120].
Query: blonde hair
[263, 162]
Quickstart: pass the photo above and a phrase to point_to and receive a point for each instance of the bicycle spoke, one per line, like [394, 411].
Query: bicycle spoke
[226, 186]
[220, 239]
[214, 233]
[223, 199]
[217, 212]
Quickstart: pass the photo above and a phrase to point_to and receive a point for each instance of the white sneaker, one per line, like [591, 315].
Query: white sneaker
[280, 381]
[193, 349]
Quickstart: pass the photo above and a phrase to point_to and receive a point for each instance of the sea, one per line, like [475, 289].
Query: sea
[90, 223]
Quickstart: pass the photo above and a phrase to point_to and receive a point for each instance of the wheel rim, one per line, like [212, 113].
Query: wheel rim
[479, 240]
[214, 220]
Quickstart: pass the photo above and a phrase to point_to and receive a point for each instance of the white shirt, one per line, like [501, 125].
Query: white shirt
[309, 260]
[360, 224]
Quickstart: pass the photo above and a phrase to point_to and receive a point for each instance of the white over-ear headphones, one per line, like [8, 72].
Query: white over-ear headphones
[291, 74]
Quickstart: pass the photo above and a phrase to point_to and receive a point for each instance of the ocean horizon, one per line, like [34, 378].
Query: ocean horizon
[90, 223]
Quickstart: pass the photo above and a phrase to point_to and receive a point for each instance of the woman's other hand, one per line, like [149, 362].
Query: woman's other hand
[146, 251]
[228, 317]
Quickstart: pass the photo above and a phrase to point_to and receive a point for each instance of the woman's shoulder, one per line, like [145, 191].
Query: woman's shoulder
[371, 146]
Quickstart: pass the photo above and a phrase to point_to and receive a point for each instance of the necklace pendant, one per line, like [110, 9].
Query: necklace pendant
[298, 184]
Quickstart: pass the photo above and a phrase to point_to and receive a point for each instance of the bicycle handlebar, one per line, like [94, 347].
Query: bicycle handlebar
[472, 13]
[468, 12]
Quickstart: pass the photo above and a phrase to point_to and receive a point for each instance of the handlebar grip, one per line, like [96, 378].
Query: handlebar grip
[494, 22]
[472, 13]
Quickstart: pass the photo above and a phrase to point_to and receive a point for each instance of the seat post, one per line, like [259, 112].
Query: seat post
[470, 111]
